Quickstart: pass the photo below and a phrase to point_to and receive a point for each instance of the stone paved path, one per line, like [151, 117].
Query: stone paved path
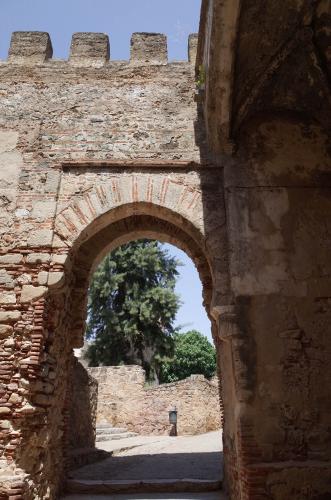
[157, 457]
[195, 457]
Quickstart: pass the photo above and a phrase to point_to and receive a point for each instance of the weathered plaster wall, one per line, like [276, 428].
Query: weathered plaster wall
[125, 401]
[267, 110]
[278, 218]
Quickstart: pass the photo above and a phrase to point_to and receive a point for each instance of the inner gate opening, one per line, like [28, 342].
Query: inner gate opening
[67, 300]
[126, 407]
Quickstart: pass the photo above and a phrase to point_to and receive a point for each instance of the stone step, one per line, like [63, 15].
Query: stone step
[110, 430]
[113, 437]
[142, 486]
[213, 495]
[106, 425]
[84, 456]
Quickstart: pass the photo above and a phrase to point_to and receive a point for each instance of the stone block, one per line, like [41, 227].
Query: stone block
[5, 424]
[30, 47]
[43, 209]
[40, 238]
[52, 181]
[7, 298]
[6, 279]
[27, 409]
[10, 160]
[42, 277]
[4, 410]
[11, 258]
[55, 279]
[192, 47]
[59, 258]
[5, 331]
[24, 279]
[9, 316]
[15, 398]
[30, 293]
[24, 383]
[149, 48]
[8, 141]
[57, 242]
[89, 49]
[36, 258]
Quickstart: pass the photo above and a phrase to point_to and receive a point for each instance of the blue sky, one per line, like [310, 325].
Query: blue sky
[192, 314]
[118, 18]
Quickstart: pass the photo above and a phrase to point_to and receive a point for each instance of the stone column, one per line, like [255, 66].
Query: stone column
[232, 345]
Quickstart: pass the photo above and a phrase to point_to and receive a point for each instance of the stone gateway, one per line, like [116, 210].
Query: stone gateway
[227, 157]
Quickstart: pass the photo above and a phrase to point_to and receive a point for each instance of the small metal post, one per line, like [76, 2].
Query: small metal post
[173, 421]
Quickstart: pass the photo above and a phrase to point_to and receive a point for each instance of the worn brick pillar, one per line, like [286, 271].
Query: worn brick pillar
[30, 364]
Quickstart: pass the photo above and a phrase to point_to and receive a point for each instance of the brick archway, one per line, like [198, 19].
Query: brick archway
[109, 230]
[124, 224]
[184, 207]
[59, 307]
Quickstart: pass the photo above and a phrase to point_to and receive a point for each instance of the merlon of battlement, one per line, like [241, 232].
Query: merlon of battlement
[92, 49]
[150, 48]
[89, 49]
[192, 47]
[30, 47]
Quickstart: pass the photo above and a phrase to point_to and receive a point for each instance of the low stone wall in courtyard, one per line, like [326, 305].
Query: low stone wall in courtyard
[124, 400]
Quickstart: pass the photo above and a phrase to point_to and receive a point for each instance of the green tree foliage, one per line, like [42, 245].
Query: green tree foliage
[193, 354]
[132, 307]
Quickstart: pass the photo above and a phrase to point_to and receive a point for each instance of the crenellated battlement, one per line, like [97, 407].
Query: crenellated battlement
[92, 49]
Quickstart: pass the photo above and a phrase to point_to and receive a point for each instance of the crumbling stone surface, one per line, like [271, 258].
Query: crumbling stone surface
[124, 400]
[83, 408]
[267, 111]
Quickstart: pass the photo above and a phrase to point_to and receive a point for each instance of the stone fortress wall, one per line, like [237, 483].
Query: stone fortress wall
[124, 400]
[94, 153]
